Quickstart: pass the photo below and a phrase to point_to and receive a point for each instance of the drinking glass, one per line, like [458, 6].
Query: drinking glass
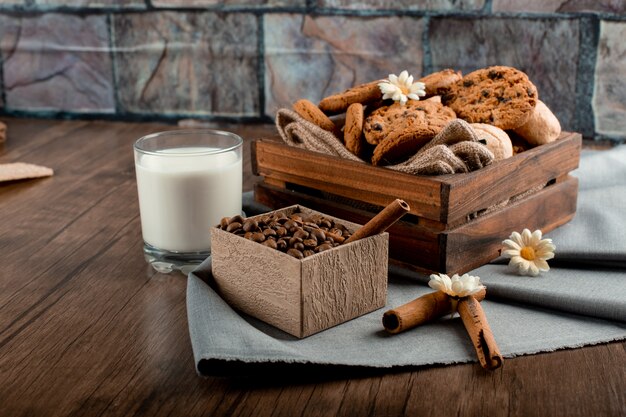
[187, 180]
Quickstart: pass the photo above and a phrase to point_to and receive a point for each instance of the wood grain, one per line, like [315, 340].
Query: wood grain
[344, 178]
[88, 329]
[447, 199]
[456, 250]
[501, 180]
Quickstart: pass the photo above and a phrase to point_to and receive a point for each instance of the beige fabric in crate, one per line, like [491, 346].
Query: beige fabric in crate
[455, 149]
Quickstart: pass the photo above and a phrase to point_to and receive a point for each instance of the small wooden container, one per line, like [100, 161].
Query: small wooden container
[301, 296]
[456, 223]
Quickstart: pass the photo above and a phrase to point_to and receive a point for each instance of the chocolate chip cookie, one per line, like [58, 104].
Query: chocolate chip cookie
[500, 96]
[439, 82]
[400, 131]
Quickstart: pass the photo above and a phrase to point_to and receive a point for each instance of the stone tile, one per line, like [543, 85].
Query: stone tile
[229, 3]
[311, 58]
[609, 101]
[136, 4]
[57, 62]
[412, 5]
[192, 63]
[546, 49]
[560, 6]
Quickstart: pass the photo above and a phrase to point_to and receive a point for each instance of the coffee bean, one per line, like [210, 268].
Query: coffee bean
[251, 225]
[258, 237]
[233, 226]
[323, 247]
[289, 224]
[236, 219]
[302, 234]
[310, 243]
[282, 244]
[319, 235]
[270, 243]
[298, 234]
[336, 231]
[295, 253]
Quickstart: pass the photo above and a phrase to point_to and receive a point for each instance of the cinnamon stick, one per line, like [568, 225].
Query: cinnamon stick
[379, 223]
[426, 308]
[479, 331]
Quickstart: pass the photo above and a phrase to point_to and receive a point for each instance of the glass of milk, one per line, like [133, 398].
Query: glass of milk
[187, 180]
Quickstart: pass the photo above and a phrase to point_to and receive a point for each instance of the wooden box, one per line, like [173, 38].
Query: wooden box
[301, 296]
[457, 222]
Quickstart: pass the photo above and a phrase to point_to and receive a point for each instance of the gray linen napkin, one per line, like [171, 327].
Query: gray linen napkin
[580, 301]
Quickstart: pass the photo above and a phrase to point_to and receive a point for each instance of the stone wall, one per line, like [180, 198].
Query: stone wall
[243, 59]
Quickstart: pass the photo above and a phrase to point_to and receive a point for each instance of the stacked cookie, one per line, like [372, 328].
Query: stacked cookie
[494, 100]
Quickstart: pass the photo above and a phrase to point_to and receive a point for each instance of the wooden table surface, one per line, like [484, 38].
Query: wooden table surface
[87, 328]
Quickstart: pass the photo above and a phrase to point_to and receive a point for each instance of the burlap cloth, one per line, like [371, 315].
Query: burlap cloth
[456, 149]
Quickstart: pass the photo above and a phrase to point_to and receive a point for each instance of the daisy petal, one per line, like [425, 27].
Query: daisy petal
[517, 238]
[522, 267]
[535, 238]
[510, 253]
[542, 265]
[512, 244]
[526, 236]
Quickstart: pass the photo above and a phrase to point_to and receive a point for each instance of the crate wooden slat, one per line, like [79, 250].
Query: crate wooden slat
[456, 250]
[446, 199]
[277, 161]
[478, 190]
[442, 233]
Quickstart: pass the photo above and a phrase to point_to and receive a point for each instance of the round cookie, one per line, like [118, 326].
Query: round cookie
[542, 126]
[353, 129]
[500, 96]
[339, 103]
[408, 128]
[439, 82]
[496, 140]
[380, 124]
[313, 114]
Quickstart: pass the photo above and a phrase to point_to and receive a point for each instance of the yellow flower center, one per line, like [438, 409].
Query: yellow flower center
[528, 253]
[404, 90]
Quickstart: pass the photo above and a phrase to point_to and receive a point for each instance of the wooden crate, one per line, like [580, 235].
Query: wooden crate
[453, 226]
[301, 296]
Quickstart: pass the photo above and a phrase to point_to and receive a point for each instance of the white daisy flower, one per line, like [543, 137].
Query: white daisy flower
[529, 253]
[457, 286]
[402, 88]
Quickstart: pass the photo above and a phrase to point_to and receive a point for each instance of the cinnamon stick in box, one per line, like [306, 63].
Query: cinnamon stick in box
[379, 223]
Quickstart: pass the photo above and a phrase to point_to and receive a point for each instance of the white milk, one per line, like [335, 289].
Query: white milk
[181, 197]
